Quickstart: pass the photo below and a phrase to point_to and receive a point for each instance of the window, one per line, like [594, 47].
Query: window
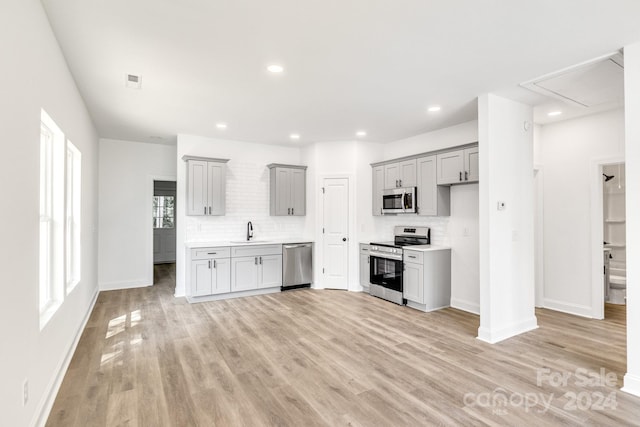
[51, 218]
[72, 216]
[163, 211]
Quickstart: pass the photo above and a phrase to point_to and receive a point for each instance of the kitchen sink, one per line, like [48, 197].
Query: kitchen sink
[249, 242]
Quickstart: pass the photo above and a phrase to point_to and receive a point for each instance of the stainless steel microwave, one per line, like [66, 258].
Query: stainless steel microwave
[399, 200]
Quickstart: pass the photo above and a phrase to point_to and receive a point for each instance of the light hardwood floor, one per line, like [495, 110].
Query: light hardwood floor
[312, 358]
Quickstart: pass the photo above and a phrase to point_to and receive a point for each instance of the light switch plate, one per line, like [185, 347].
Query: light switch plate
[502, 206]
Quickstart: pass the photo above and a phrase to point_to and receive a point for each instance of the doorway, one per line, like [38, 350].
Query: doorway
[335, 236]
[614, 234]
[164, 222]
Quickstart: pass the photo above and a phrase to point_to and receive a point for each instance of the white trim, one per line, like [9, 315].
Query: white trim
[496, 335]
[125, 284]
[569, 308]
[538, 246]
[631, 384]
[597, 233]
[464, 305]
[45, 405]
[231, 295]
[149, 247]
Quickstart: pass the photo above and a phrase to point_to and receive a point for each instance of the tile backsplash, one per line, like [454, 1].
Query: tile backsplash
[439, 226]
[247, 199]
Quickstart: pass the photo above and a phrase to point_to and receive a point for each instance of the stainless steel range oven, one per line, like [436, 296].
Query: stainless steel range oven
[386, 267]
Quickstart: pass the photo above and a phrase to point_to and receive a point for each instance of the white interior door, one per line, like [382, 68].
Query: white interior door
[335, 242]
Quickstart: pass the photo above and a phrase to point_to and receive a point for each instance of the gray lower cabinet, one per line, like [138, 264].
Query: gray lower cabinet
[216, 271]
[364, 267]
[256, 267]
[287, 192]
[426, 279]
[210, 271]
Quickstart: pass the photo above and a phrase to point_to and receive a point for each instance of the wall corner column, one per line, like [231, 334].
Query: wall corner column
[632, 168]
[506, 201]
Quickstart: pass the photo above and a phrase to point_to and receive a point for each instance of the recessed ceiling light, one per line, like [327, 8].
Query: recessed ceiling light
[554, 113]
[434, 109]
[294, 136]
[361, 133]
[275, 68]
[221, 125]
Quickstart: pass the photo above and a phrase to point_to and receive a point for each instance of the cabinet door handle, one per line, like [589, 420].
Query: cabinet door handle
[368, 259]
[466, 176]
[214, 264]
[460, 176]
[411, 256]
[212, 253]
[209, 264]
[205, 210]
[209, 210]
[260, 260]
[400, 183]
[255, 260]
[288, 211]
[292, 211]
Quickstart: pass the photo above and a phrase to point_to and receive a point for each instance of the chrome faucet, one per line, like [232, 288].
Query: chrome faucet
[249, 231]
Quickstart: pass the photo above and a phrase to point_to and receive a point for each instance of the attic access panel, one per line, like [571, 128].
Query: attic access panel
[590, 84]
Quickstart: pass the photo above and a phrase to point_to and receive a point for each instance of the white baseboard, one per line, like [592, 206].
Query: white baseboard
[493, 336]
[231, 295]
[128, 284]
[569, 308]
[468, 306]
[48, 398]
[631, 384]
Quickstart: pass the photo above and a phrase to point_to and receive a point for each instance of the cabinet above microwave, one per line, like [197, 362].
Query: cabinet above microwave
[431, 173]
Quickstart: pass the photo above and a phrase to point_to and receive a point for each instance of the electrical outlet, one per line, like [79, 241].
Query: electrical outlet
[25, 392]
[465, 232]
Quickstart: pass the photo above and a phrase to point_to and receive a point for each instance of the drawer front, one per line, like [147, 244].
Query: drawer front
[255, 250]
[413, 256]
[209, 253]
[364, 248]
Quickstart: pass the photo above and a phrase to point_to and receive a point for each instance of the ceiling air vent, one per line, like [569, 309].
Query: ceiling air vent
[133, 81]
[590, 84]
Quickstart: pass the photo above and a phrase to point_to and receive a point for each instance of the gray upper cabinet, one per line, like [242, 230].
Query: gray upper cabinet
[288, 192]
[378, 186]
[471, 164]
[457, 167]
[401, 174]
[206, 185]
[433, 199]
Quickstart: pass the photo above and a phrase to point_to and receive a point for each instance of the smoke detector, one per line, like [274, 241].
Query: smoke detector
[133, 81]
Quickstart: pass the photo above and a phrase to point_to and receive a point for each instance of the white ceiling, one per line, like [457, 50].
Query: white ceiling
[349, 65]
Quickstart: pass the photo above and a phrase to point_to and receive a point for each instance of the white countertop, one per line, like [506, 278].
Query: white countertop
[426, 248]
[251, 243]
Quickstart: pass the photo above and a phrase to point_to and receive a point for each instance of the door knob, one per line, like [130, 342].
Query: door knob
[344, 239]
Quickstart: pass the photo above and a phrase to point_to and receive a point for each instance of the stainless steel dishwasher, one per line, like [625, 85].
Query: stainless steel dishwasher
[297, 265]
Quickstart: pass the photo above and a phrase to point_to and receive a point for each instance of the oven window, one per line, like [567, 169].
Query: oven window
[392, 201]
[386, 272]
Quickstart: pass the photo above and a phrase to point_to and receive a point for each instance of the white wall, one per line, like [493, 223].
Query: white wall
[127, 170]
[632, 133]
[460, 230]
[568, 153]
[247, 195]
[34, 75]
[506, 236]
